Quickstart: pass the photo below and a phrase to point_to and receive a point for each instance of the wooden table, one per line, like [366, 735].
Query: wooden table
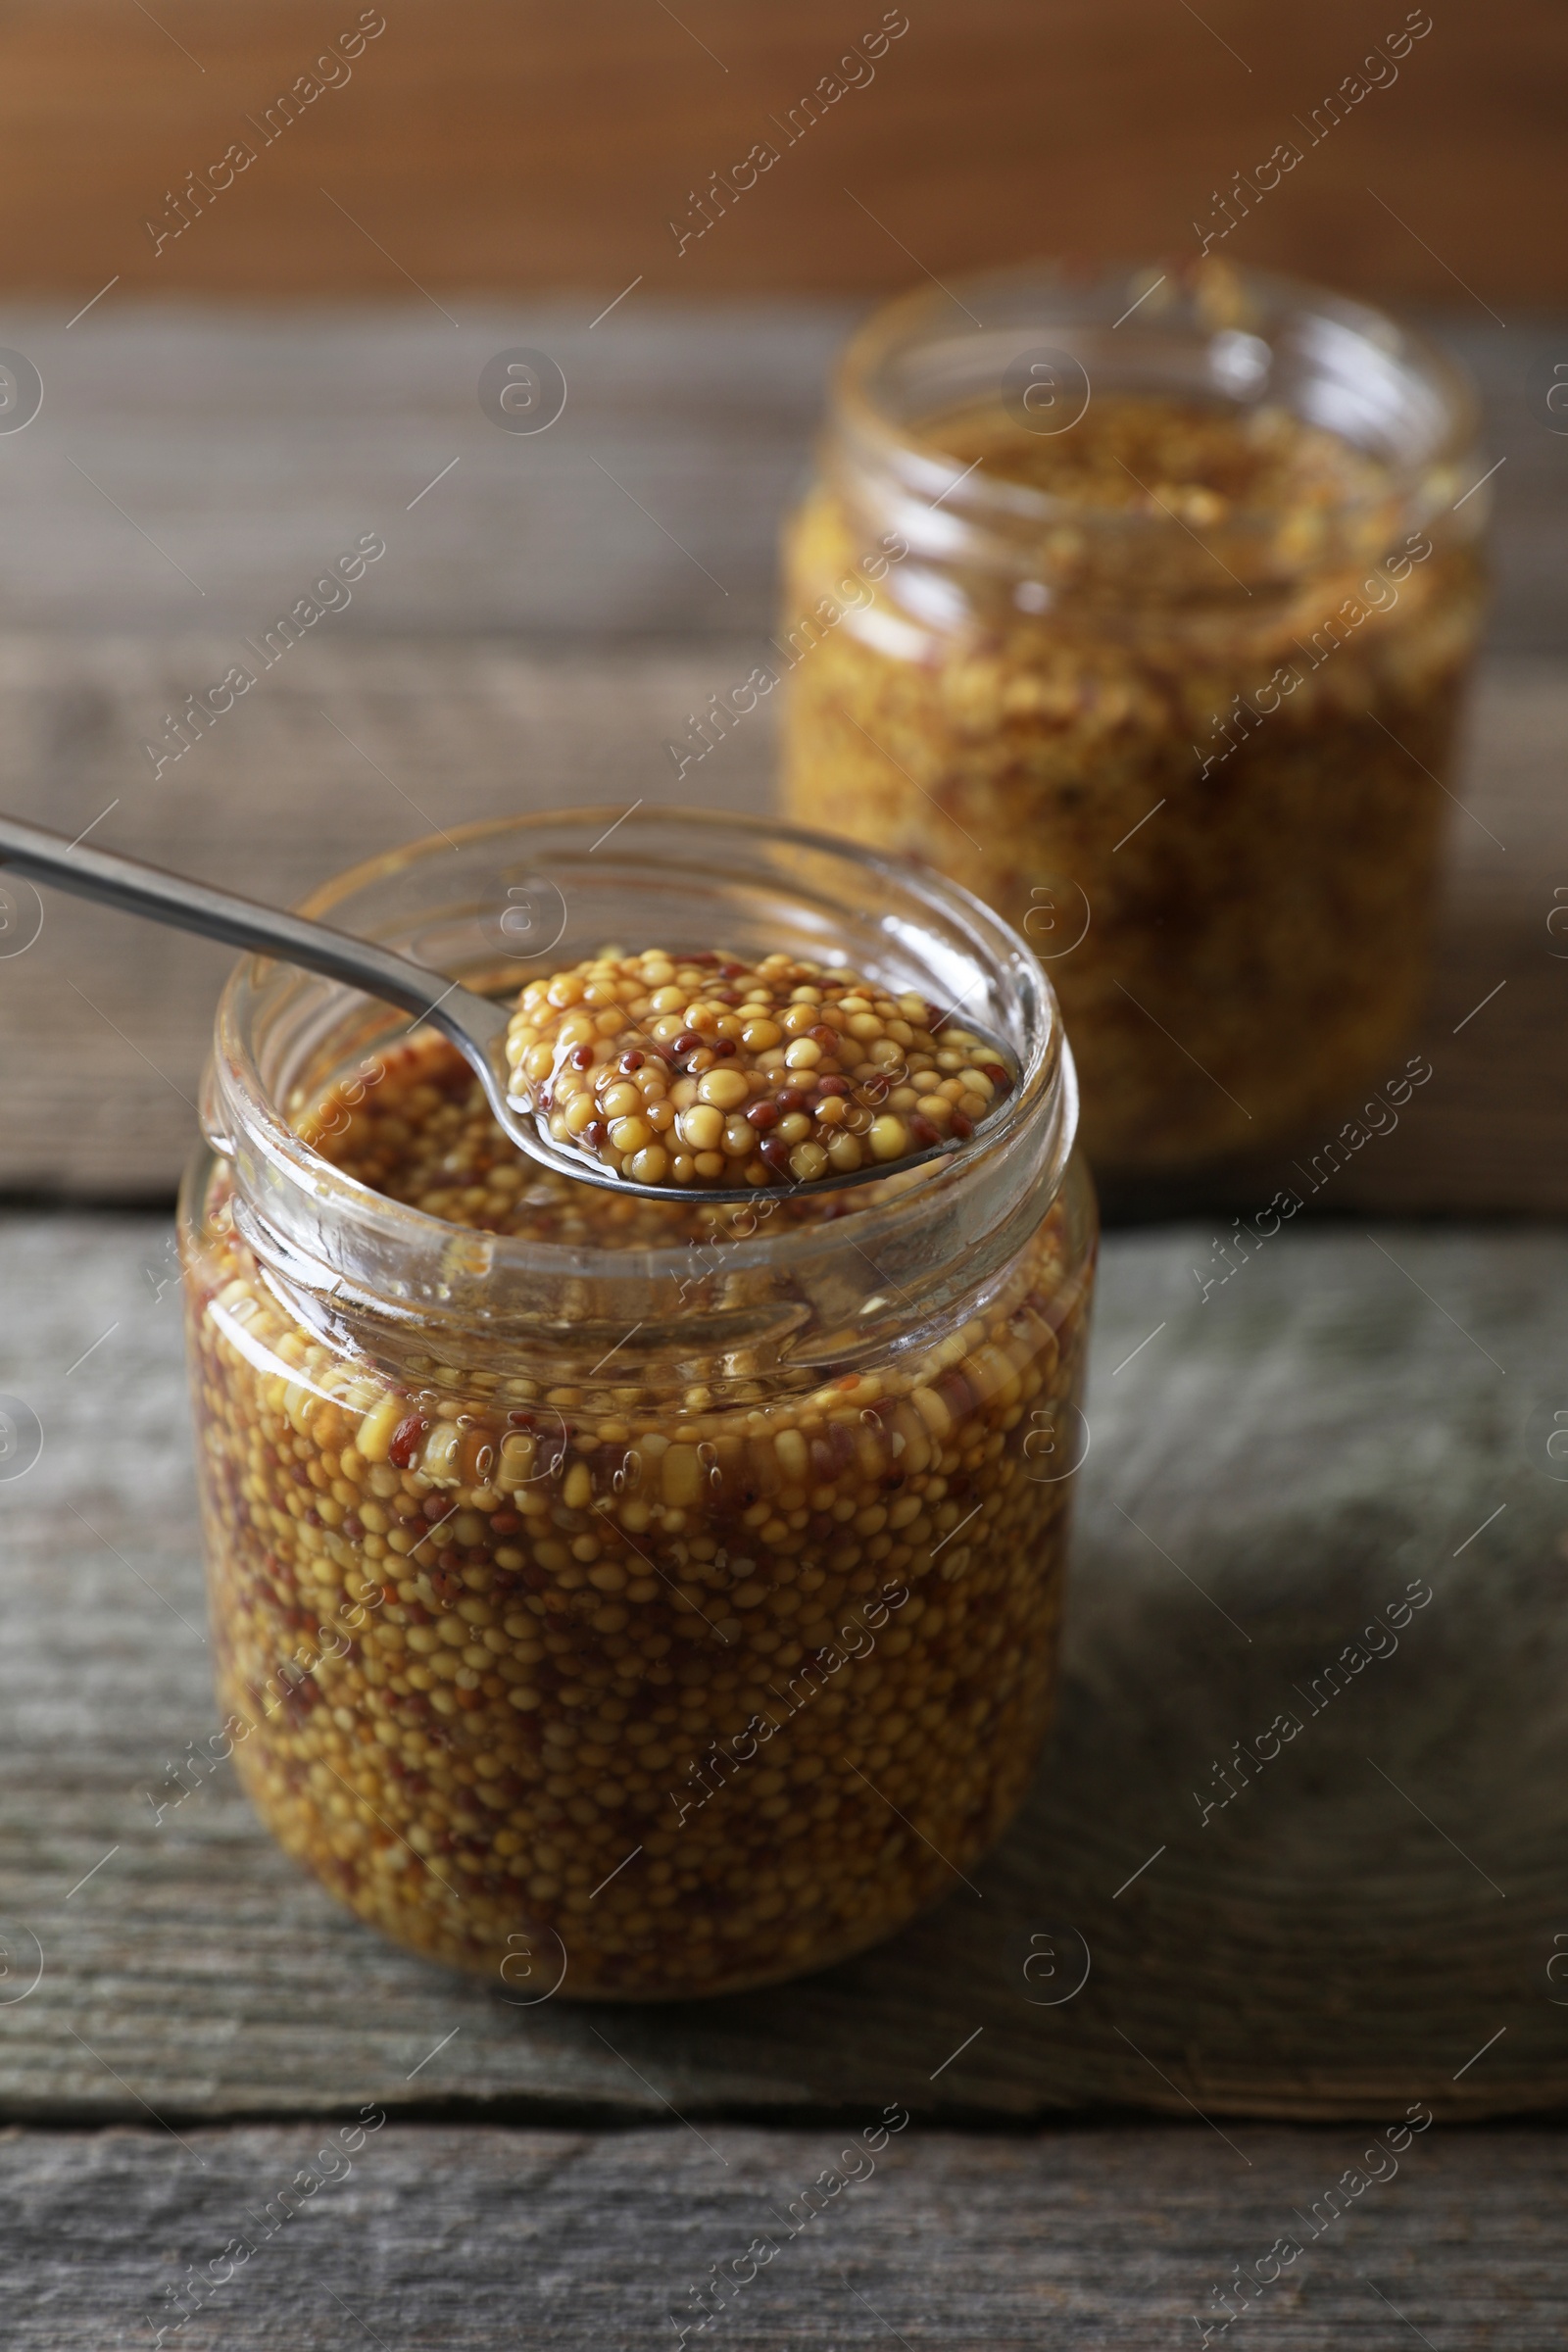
[185, 2022]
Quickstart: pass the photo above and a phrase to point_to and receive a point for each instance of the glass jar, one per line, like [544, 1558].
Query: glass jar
[1142, 608]
[658, 1620]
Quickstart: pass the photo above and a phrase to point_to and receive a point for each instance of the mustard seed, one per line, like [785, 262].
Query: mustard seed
[780, 1062]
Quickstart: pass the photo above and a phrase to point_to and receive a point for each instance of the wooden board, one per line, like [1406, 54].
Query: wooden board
[194, 467]
[1284, 1444]
[477, 2239]
[1371, 1917]
[482, 143]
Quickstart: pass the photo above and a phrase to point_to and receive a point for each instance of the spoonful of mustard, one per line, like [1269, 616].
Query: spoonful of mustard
[664, 1073]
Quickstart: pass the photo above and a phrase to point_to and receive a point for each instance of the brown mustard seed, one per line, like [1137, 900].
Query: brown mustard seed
[682, 1688]
[1204, 773]
[671, 1075]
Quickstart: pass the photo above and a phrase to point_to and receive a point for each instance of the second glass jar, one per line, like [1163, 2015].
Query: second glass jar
[1142, 609]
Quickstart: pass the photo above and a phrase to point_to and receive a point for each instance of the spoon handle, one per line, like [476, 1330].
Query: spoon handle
[475, 1024]
[190, 906]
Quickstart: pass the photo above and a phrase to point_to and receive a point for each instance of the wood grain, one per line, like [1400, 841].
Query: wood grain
[1369, 1916]
[477, 2239]
[509, 146]
[194, 467]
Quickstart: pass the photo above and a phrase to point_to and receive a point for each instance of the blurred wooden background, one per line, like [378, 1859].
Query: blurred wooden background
[510, 144]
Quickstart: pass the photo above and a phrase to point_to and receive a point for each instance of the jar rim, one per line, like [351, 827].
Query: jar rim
[1045, 297]
[332, 1228]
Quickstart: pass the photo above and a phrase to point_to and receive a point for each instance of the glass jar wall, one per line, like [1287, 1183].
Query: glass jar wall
[1142, 609]
[642, 1601]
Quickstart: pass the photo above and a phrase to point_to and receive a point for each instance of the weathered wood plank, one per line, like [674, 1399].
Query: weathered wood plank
[252, 444]
[476, 2240]
[346, 748]
[1369, 1916]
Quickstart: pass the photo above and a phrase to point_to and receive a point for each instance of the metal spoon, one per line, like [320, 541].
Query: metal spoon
[475, 1024]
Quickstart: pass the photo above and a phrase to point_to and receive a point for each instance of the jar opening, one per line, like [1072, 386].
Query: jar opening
[1035, 349]
[502, 901]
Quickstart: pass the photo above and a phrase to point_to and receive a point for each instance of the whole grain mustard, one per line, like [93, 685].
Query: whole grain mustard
[1177, 695]
[615, 1680]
